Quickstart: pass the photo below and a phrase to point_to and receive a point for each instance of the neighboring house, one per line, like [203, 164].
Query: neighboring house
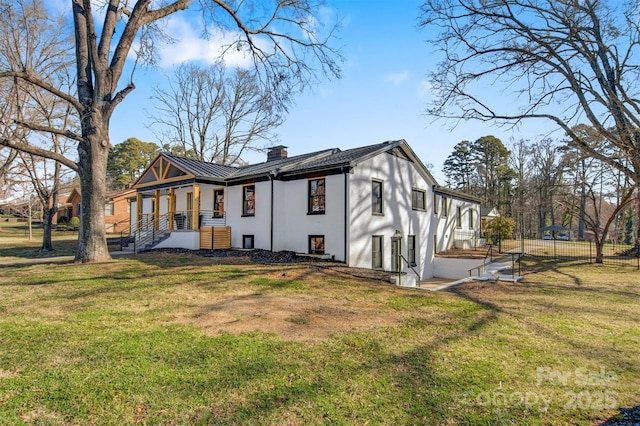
[70, 208]
[117, 205]
[487, 215]
[362, 206]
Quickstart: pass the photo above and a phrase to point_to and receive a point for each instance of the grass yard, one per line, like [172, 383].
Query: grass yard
[179, 339]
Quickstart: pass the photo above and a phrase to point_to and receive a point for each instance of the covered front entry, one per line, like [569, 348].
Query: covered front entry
[174, 209]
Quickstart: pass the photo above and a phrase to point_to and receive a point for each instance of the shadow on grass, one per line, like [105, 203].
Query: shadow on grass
[626, 417]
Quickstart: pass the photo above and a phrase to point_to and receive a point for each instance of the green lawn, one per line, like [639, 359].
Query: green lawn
[122, 342]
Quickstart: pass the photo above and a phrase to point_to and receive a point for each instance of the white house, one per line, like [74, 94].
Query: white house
[376, 206]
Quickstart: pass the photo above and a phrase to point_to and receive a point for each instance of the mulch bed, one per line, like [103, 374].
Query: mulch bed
[286, 257]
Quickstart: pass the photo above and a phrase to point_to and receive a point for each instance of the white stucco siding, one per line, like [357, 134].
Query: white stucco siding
[452, 232]
[258, 225]
[399, 178]
[189, 240]
[293, 224]
[206, 198]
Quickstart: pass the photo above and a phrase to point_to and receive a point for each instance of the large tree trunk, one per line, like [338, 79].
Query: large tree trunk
[47, 220]
[599, 249]
[92, 162]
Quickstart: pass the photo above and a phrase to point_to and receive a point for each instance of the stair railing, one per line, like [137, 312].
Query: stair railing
[411, 266]
[488, 258]
[146, 230]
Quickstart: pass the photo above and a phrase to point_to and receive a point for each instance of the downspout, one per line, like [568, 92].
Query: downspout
[272, 175]
[271, 220]
[346, 215]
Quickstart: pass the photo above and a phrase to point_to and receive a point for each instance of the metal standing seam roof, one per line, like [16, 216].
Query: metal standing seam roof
[202, 169]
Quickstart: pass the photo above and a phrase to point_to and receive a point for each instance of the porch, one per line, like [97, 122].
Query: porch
[177, 230]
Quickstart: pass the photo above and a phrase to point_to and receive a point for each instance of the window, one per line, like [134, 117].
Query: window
[444, 207]
[249, 200]
[316, 244]
[418, 199]
[316, 196]
[435, 204]
[376, 252]
[459, 217]
[188, 219]
[376, 197]
[218, 202]
[411, 250]
[247, 241]
[471, 221]
[108, 209]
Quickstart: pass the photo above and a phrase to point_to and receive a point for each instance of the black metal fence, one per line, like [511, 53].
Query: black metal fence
[612, 254]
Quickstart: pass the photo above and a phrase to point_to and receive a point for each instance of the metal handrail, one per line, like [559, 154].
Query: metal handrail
[488, 255]
[148, 227]
[412, 268]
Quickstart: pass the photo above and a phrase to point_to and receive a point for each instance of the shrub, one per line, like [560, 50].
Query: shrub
[74, 223]
[499, 228]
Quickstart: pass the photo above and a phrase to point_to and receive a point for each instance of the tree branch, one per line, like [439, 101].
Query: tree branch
[30, 149]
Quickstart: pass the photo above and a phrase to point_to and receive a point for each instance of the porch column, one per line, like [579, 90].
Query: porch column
[172, 206]
[138, 210]
[195, 225]
[156, 212]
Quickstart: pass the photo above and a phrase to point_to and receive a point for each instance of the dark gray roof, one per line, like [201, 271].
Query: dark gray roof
[320, 160]
[281, 165]
[201, 169]
[328, 159]
[484, 211]
[457, 194]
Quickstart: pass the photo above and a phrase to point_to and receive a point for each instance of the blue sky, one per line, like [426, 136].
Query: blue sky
[382, 95]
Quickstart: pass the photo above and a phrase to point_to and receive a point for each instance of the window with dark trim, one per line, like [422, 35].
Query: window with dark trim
[316, 196]
[316, 244]
[376, 252]
[411, 249]
[418, 197]
[471, 221]
[247, 241]
[444, 206]
[218, 202]
[249, 200]
[108, 209]
[435, 204]
[376, 196]
[459, 217]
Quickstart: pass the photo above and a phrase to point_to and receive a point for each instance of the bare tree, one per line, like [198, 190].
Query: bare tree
[604, 201]
[565, 61]
[215, 114]
[29, 40]
[547, 182]
[523, 205]
[288, 48]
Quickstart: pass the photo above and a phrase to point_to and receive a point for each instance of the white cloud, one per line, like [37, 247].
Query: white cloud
[397, 78]
[425, 89]
[190, 46]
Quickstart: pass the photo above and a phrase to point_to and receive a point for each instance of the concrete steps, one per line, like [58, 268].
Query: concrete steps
[494, 269]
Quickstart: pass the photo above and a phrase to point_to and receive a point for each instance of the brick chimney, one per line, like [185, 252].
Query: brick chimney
[277, 153]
